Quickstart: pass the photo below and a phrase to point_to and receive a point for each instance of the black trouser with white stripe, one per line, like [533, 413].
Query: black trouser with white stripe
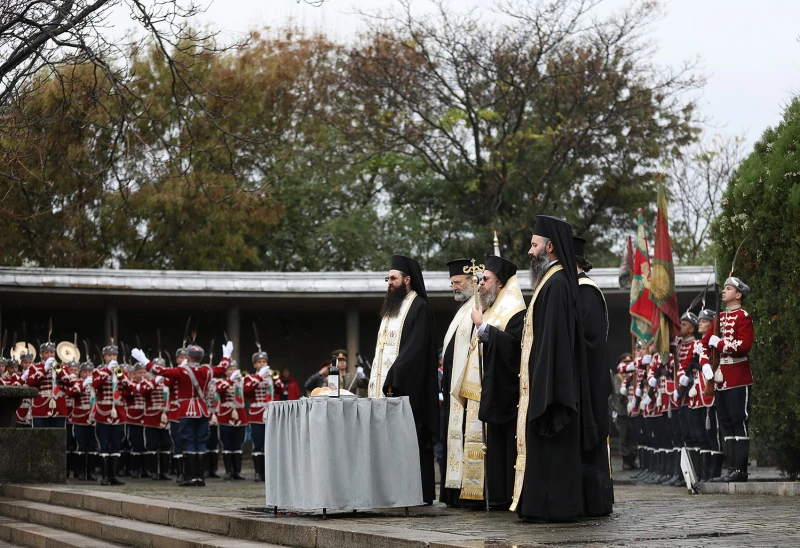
[733, 410]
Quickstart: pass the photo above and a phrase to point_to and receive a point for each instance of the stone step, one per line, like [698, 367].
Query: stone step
[35, 535]
[38, 520]
[296, 532]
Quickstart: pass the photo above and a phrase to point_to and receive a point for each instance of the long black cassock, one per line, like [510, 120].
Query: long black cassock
[501, 353]
[558, 422]
[415, 374]
[597, 484]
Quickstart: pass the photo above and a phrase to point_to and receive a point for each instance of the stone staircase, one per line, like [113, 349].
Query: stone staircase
[60, 517]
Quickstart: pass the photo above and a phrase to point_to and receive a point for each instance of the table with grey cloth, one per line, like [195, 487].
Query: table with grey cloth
[342, 454]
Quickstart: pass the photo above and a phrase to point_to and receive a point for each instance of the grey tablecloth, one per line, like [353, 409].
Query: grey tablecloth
[342, 454]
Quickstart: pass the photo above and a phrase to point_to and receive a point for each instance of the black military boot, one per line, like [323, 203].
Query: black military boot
[213, 464]
[188, 472]
[180, 468]
[201, 466]
[236, 460]
[258, 465]
[730, 446]
[113, 472]
[669, 468]
[678, 481]
[91, 465]
[134, 465]
[227, 461]
[706, 460]
[149, 465]
[164, 461]
[106, 469]
[642, 467]
[716, 465]
[79, 464]
[740, 474]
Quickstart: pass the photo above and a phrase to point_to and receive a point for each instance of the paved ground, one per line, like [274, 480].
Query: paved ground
[643, 516]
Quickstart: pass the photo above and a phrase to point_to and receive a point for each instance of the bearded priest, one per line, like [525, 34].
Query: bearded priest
[405, 362]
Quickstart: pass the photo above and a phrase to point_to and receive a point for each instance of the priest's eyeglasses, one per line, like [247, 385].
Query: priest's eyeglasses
[458, 283]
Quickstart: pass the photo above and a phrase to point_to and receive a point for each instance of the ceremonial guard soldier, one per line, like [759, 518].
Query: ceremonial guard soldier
[734, 376]
[156, 424]
[112, 385]
[259, 390]
[83, 425]
[687, 355]
[232, 418]
[73, 367]
[49, 406]
[701, 411]
[620, 414]
[212, 457]
[657, 409]
[636, 371]
[24, 417]
[135, 424]
[191, 380]
[173, 408]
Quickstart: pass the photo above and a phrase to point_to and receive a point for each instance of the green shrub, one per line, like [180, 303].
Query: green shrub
[762, 204]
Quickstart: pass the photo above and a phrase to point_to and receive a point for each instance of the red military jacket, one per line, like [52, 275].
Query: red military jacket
[54, 388]
[135, 406]
[656, 407]
[111, 391]
[82, 406]
[258, 392]
[23, 412]
[231, 410]
[155, 406]
[737, 334]
[187, 401]
[638, 374]
[686, 351]
[697, 398]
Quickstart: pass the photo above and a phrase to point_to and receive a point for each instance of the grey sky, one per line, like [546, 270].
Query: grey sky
[749, 49]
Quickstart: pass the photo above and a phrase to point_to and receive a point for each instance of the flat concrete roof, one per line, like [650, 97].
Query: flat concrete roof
[343, 285]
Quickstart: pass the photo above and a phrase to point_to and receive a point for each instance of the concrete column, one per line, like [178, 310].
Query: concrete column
[233, 330]
[112, 319]
[352, 335]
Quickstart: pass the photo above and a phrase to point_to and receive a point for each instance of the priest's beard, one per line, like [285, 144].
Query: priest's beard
[461, 295]
[489, 296]
[539, 263]
[393, 301]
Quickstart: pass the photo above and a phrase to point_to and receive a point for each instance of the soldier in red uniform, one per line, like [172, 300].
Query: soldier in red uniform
[191, 380]
[83, 425]
[654, 412]
[259, 390]
[73, 368]
[23, 418]
[112, 385]
[173, 407]
[49, 407]
[687, 345]
[734, 377]
[156, 424]
[135, 424]
[232, 417]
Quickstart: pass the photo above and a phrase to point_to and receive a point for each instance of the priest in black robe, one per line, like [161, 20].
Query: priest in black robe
[598, 488]
[500, 356]
[463, 291]
[556, 423]
[414, 372]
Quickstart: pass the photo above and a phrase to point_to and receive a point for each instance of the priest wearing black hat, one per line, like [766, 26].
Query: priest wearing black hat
[555, 423]
[597, 484]
[405, 362]
[455, 349]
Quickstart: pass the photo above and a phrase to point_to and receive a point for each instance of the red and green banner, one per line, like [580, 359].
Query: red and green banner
[642, 308]
[665, 319]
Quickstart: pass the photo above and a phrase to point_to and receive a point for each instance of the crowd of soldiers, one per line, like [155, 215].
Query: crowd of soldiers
[698, 399]
[146, 419]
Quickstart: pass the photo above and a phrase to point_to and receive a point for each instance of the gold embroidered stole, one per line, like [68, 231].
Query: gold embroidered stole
[509, 302]
[524, 397]
[461, 328]
[388, 347]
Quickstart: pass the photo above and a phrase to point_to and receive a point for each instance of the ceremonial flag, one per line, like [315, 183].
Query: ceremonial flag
[666, 318]
[642, 308]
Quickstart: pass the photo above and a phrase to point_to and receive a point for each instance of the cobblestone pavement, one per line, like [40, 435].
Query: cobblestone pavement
[643, 516]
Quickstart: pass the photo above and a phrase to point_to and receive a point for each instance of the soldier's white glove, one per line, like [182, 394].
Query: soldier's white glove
[638, 392]
[111, 365]
[623, 390]
[25, 374]
[159, 379]
[139, 356]
[630, 367]
[614, 415]
[227, 349]
[675, 395]
[48, 364]
[264, 372]
[684, 380]
[647, 400]
[714, 341]
[236, 374]
[652, 382]
[360, 372]
[87, 381]
[698, 349]
[441, 397]
[708, 372]
[647, 359]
